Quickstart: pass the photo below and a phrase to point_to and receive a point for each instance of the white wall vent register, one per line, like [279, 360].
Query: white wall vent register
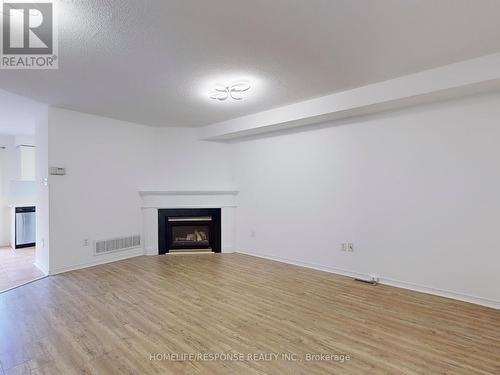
[117, 244]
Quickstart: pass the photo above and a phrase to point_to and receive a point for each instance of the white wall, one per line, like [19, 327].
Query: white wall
[181, 160]
[108, 162]
[417, 191]
[5, 141]
[97, 199]
[42, 190]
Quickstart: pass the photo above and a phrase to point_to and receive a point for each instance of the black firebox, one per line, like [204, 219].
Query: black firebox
[189, 229]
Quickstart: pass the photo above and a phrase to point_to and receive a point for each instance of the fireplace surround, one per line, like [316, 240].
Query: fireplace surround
[187, 229]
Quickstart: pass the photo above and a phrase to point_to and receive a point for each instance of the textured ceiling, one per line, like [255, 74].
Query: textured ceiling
[153, 62]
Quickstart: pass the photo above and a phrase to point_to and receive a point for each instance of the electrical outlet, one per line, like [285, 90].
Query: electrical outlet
[86, 242]
[347, 246]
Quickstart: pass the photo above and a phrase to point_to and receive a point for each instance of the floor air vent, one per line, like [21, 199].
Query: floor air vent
[117, 244]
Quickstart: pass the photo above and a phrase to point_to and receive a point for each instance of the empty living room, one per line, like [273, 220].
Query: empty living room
[250, 187]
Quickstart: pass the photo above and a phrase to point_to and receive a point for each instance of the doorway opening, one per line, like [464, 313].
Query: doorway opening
[18, 199]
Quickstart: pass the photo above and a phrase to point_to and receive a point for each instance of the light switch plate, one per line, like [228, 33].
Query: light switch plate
[57, 171]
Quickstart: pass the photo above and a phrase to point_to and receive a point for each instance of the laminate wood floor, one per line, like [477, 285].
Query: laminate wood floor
[17, 268]
[128, 317]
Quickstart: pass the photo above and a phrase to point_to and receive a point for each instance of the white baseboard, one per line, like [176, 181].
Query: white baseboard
[150, 251]
[98, 261]
[386, 281]
[442, 293]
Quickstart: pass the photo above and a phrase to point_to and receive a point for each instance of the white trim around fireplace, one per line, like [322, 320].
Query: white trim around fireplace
[143, 193]
[153, 200]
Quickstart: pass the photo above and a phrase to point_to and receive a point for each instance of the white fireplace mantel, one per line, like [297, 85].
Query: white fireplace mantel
[143, 193]
[153, 200]
[188, 198]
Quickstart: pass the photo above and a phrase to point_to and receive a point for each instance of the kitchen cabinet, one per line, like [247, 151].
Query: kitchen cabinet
[26, 162]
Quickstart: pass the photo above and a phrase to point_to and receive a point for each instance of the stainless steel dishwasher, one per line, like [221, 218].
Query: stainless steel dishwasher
[25, 227]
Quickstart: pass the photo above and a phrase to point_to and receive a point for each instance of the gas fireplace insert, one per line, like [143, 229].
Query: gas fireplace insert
[189, 230]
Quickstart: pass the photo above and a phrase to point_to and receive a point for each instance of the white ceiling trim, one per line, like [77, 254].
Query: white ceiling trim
[454, 80]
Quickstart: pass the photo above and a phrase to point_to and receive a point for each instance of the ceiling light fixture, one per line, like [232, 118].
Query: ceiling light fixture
[233, 91]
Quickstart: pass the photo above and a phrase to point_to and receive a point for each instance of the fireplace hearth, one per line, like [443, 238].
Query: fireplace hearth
[189, 230]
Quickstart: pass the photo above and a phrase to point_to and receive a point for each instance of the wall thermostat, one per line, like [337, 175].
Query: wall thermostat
[57, 171]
